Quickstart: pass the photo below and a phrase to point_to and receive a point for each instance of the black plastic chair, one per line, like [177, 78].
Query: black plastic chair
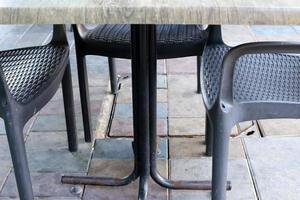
[113, 41]
[29, 77]
[249, 82]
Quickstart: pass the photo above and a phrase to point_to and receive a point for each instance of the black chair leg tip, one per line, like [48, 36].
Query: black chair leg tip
[73, 149]
[208, 154]
[88, 140]
[229, 186]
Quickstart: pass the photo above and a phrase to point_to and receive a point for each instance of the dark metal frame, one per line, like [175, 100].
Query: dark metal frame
[16, 115]
[144, 69]
[225, 112]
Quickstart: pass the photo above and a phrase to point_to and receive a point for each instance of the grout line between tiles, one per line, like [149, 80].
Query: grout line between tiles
[260, 128]
[5, 179]
[251, 171]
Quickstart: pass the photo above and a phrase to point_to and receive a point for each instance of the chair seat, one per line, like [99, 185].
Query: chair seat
[29, 71]
[257, 77]
[172, 40]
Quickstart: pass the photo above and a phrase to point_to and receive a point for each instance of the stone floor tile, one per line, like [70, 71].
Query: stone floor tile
[48, 152]
[126, 81]
[95, 64]
[183, 147]
[121, 149]
[187, 65]
[200, 169]
[5, 169]
[96, 93]
[57, 198]
[13, 29]
[297, 28]
[272, 30]
[186, 106]
[33, 39]
[2, 127]
[124, 66]
[95, 80]
[162, 95]
[194, 147]
[242, 34]
[125, 110]
[186, 126]
[196, 126]
[185, 85]
[40, 28]
[26, 129]
[57, 107]
[162, 82]
[101, 70]
[44, 185]
[251, 132]
[273, 127]
[275, 166]
[125, 96]
[123, 127]
[44, 198]
[244, 125]
[272, 33]
[107, 149]
[57, 123]
[4, 149]
[182, 97]
[117, 168]
[101, 61]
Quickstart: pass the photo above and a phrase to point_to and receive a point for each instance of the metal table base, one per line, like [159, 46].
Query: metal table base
[144, 80]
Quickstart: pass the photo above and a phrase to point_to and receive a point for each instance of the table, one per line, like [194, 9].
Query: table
[143, 13]
[150, 11]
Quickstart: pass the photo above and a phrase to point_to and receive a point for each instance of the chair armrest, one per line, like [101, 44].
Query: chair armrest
[228, 65]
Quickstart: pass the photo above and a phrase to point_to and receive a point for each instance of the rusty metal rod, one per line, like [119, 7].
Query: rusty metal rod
[99, 181]
[182, 184]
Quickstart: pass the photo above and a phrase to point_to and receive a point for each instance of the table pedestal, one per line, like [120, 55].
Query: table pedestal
[144, 83]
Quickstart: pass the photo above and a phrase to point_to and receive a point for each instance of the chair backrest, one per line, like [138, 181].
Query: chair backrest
[59, 38]
[255, 110]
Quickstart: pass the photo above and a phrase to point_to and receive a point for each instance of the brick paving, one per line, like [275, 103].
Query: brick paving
[261, 153]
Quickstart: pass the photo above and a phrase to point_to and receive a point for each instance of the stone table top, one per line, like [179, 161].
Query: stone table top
[272, 12]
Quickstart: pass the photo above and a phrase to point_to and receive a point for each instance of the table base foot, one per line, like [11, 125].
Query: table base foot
[98, 181]
[183, 185]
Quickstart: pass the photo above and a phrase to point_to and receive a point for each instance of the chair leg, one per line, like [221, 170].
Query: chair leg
[16, 143]
[84, 97]
[220, 159]
[69, 109]
[208, 136]
[198, 74]
[113, 75]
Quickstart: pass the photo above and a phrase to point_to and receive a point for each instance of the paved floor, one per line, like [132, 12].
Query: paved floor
[263, 154]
